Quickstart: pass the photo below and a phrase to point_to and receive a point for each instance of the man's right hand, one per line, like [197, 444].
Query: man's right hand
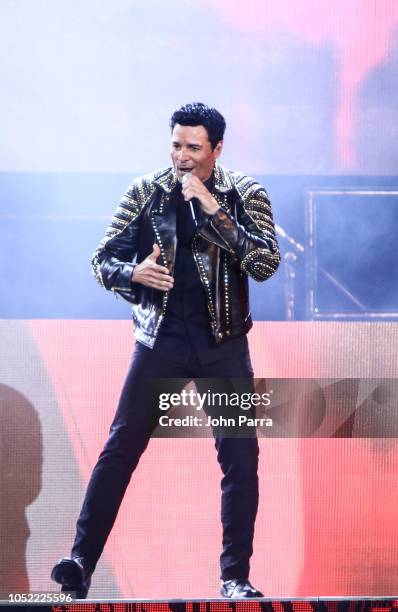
[150, 274]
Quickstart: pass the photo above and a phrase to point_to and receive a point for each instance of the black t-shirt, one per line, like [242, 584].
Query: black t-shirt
[187, 317]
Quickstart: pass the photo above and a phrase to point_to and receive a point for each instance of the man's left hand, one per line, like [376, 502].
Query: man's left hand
[192, 187]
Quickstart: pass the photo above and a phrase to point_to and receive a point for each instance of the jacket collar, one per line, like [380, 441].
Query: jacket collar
[222, 179]
[166, 179]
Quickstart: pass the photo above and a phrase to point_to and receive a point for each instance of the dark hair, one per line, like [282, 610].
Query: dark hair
[198, 113]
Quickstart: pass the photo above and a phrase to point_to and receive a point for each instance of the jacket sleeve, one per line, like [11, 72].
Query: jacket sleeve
[251, 235]
[113, 261]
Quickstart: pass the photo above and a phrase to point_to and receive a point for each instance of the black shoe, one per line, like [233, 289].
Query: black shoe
[239, 589]
[74, 574]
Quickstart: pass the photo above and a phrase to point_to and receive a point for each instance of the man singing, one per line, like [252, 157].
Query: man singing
[180, 248]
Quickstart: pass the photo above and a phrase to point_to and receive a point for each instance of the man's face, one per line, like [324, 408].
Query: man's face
[191, 151]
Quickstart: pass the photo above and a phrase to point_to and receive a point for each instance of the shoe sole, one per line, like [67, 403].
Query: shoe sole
[225, 594]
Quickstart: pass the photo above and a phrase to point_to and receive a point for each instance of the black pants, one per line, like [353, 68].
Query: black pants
[129, 436]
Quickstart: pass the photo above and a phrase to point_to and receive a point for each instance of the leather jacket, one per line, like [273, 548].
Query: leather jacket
[236, 242]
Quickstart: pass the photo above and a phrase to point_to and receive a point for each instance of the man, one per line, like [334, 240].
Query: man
[180, 248]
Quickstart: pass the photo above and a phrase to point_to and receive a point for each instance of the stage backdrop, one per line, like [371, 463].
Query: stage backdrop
[327, 518]
[307, 87]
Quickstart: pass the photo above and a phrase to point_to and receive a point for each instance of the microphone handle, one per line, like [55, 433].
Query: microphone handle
[193, 210]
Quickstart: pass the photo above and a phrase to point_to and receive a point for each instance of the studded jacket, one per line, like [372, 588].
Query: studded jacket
[236, 242]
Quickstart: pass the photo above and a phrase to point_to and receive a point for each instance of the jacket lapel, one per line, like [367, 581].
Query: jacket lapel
[163, 218]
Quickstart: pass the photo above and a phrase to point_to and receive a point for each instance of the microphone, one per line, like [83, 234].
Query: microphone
[191, 206]
[191, 202]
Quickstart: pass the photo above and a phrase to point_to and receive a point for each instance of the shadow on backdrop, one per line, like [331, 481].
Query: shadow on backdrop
[21, 452]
